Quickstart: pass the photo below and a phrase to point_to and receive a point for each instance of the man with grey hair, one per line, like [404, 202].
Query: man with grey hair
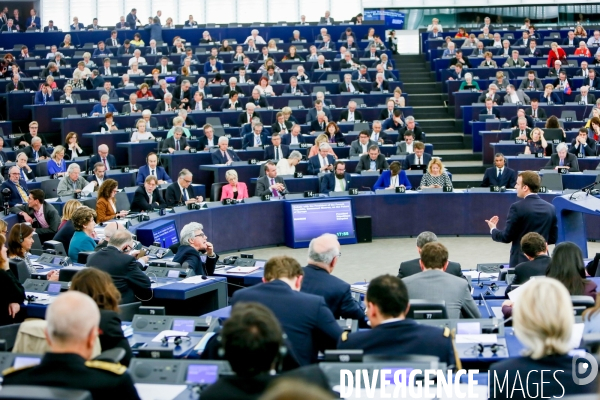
[232, 87]
[323, 256]
[181, 192]
[412, 267]
[109, 230]
[103, 108]
[515, 96]
[137, 58]
[224, 155]
[563, 159]
[36, 152]
[490, 94]
[103, 156]
[73, 321]
[196, 250]
[151, 122]
[168, 104]
[118, 260]
[256, 37]
[72, 182]
[247, 116]
[132, 106]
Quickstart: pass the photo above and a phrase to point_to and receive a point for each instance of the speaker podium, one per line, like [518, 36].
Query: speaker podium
[571, 218]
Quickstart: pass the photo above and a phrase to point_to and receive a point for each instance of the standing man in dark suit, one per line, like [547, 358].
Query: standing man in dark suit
[532, 214]
[41, 215]
[323, 256]
[146, 197]
[271, 184]
[372, 161]
[500, 175]
[132, 19]
[393, 334]
[124, 269]
[322, 162]
[408, 268]
[181, 192]
[277, 151]
[339, 181]
[311, 326]
[535, 249]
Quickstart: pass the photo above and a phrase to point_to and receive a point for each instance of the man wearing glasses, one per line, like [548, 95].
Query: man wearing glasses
[196, 250]
[323, 256]
[181, 192]
[19, 193]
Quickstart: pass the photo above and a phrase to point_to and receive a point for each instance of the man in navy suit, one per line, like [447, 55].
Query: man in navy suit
[152, 168]
[18, 187]
[277, 151]
[109, 161]
[490, 109]
[323, 256]
[393, 334]
[500, 175]
[532, 214]
[257, 138]
[103, 108]
[311, 327]
[212, 65]
[535, 249]
[294, 137]
[419, 157]
[592, 80]
[224, 155]
[322, 162]
[293, 87]
[44, 95]
[339, 181]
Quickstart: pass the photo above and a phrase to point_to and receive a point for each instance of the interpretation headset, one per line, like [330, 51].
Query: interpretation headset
[283, 350]
[177, 340]
[480, 347]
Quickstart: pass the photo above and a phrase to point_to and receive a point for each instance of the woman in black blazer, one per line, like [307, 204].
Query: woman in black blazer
[334, 135]
[12, 293]
[543, 321]
[99, 286]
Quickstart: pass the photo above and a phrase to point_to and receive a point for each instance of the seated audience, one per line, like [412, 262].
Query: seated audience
[436, 176]
[234, 189]
[42, 216]
[287, 166]
[499, 175]
[106, 205]
[19, 243]
[66, 230]
[83, 239]
[57, 166]
[146, 198]
[13, 293]
[72, 183]
[152, 168]
[393, 178]
[181, 192]
[412, 267]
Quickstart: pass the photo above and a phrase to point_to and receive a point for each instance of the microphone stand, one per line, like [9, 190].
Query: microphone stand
[586, 189]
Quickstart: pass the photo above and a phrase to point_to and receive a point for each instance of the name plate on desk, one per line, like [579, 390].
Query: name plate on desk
[254, 148]
[159, 323]
[432, 190]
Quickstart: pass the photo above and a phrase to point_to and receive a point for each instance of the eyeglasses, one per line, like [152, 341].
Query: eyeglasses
[200, 235]
[186, 181]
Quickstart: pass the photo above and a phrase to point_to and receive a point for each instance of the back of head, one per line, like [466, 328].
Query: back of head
[543, 318]
[434, 255]
[295, 389]
[323, 249]
[282, 267]
[119, 238]
[533, 244]
[71, 318]
[99, 286]
[389, 294]
[251, 339]
[567, 267]
[425, 237]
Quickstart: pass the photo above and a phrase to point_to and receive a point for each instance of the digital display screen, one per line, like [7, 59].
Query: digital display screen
[57, 260]
[183, 325]
[390, 377]
[166, 234]
[468, 328]
[54, 288]
[21, 362]
[173, 274]
[311, 219]
[202, 374]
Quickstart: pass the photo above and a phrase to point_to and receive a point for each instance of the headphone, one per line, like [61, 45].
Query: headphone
[177, 340]
[481, 347]
[282, 352]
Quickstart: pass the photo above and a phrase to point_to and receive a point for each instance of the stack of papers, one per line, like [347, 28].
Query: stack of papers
[242, 270]
[359, 288]
[485, 338]
[195, 279]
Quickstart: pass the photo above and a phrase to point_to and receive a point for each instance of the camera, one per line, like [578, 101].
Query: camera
[194, 206]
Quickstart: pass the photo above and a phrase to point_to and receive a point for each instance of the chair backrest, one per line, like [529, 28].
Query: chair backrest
[24, 392]
[49, 187]
[40, 47]
[358, 100]
[551, 134]
[554, 35]
[568, 114]
[19, 269]
[333, 77]
[90, 202]
[547, 43]
[319, 89]
[508, 36]
[552, 181]
[122, 201]
[69, 111]
[9, 334]
[581, 303]
[30, 64]
[17, 46]
[215, 191]
[214, 121]
[127, 311]
[295, 103]
[41, 168]
[427, 309]
[361, 126]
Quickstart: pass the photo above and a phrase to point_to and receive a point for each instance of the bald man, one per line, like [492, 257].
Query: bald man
[109, 230]
[71, 332]
[323, 256]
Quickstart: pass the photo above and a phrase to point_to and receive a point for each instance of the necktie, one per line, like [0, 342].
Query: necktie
[103, 110]
[35, 155]
[349, 87]
[499, 172]
[293, 90]
[104, 162]
[185, 195]
[153, 51]
[350, 116]
[114, 42]
[275, 192]
[562, 162]
[177, 145]
[418, 160]
[376, 137]
[152, 173]
[257, 140]
[21, 193]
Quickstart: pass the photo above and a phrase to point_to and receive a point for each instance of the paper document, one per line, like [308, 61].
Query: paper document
[516, 293]
[161, 335]
[40, 297]
[88, 189]
[195, 279]
[474, 274]
[576, 336]
[149, 391]
[486, 338]
[359, 288]
[242, 270]
[498, 312]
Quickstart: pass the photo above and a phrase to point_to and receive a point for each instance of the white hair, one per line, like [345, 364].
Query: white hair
[223, 139]
[188, 232]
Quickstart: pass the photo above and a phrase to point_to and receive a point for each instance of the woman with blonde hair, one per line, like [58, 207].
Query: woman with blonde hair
[543, 321]
[314, 150]
[141, 133]
[398, 99]
[57, 165]
[435, 177]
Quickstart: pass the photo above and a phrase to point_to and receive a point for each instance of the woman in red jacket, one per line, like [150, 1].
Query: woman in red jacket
[556, 53]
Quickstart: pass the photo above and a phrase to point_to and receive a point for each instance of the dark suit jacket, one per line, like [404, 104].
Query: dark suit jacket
[160, 107]
[203, 142]
[594, 85]
[527, 269]
[193, 258]
[411, 159]
[39, 98]
[570, 161]
[65, 234]
[357, 115]
[263, 183]
[11, 86]
[30, 156]
[417, 133]
[384, 86]
[261, 102]
[531, 214]
[270, 151]
[276, 128]
[217, 156]
[315, 66]
[541, 114]
[508, 178]
[589, 150]
[177, 94]
[248, 140]
[314, 164]
[328, 182]
[144, 171]
[516, 132]
[50, 215]
[227, 90]
[243, 118]
[316, 127]
[125, 272]
[287, 139]
[365, 162]
[141, 200]
[299, 88]
[495, 111]
[310, 328]
[408, 268]
[335, 291]
[110, 159]
[170, 143]
[591, 99]
[174, 197]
